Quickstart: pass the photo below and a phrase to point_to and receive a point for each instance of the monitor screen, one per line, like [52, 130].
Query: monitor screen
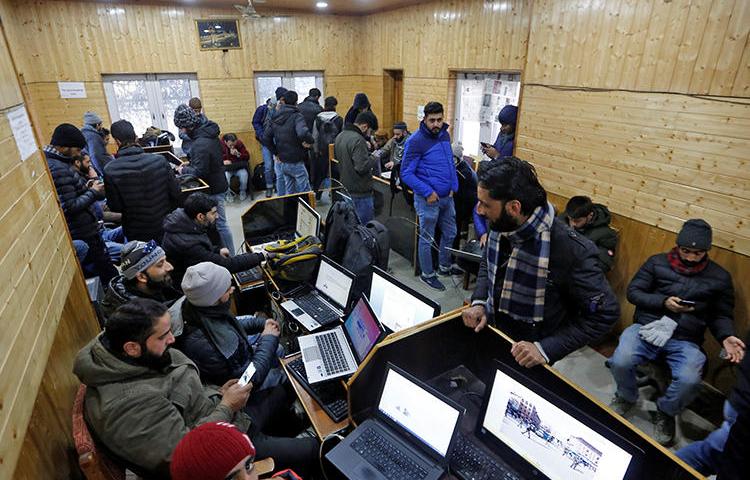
[363, 329]
[397, 308]
[550, 439]
[308, 220]
[334, 283]
[269, 220]
[416, 410]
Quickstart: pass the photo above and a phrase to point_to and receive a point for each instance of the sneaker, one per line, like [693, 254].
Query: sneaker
[450, 271]
[243, 196]
[664, 428]
[269, 192]
[620, 405]
[432, 282]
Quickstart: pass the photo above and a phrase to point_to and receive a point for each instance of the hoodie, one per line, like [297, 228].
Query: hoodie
[285, 134]
[310, 108]
[361, 102]
[206, 157]
[599, 232]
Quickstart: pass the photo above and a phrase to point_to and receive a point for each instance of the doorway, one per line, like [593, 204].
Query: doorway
[393, 98]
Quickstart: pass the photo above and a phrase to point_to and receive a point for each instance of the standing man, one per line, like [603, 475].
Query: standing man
[258, 125]
[272, 111]
[197, 106]
[538, 280]
[356, 164]
[95, 144]
[428, 169]
[310, 107]
[503, 146]
[328, 124]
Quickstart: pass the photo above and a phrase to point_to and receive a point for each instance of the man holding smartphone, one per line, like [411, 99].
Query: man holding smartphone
[677, 295]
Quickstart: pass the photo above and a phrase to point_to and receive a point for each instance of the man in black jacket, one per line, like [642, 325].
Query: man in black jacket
[676, 296]
[310, 107]
[190, 238]
[288, 137]
[140, 185]
[538, 280]
[356, 164]
[77, 198]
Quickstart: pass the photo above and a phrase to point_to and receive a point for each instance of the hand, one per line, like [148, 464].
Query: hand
[735, 349]
[483, 240]
[672, 305]
[97, 186]
[235, 152]
[307, 145]
[433, 198]
[475, 317]
[227, 385]
[224, 252]
[227, 162]
[389, 165]
[235, 397]
[526, 354]
[178, 169]
[491, 152]
[272, 328]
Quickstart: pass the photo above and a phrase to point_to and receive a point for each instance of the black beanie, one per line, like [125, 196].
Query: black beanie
[280, 91]
[399, 126]
[67, 135]
[695, 233]
[368, 118]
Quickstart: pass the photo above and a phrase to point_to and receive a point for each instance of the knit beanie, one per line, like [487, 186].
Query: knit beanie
[280, 91]
[209, 452]
[137, 256]
[91, 118]
[67, 135]
[695, 233]
[458, 150]
[185, 117]
[367, 118]
[399, 126]
[205, 283]
[508, 115]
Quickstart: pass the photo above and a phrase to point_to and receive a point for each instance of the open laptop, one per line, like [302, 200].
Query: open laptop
[398, 306]
[307, 223]
[409, 437]
[338, 352]
[324, 303]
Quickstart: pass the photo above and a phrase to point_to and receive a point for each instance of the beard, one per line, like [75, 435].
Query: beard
[157, 286]
[504, 224]
[155, 362]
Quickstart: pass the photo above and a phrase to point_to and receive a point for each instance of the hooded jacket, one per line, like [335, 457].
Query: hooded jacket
[96, 148]
[309, 108]
[285, 133]
[360, 102]
[427, 165]
[119, 293]
[355, 161]
[258, 118]
[599, 232]
[206, 158]
[141, 413]
[323, 137]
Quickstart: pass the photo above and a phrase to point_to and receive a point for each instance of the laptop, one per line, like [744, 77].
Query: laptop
[324, 303]
[409, 437]
[271, 219]
[398, 306]
[307, 223]
[338, 352]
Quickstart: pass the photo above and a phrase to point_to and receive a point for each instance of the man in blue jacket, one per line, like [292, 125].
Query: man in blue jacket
[427, 167]
[258, 120]
[503, 146]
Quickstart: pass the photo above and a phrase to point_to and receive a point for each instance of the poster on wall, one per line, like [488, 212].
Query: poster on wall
[72, 89]
[221, 34]
[420, 112]
[23, 134]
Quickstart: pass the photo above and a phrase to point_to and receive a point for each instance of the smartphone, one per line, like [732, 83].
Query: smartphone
[686, 303]
[485, 145]
[249, 372]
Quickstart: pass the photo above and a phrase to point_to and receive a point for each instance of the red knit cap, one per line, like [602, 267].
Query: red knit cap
[209, 452]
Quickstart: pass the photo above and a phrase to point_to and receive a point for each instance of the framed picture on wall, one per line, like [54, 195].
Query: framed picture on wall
[218, 34]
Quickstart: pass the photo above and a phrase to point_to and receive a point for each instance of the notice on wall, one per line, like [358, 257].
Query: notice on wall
[22, 132]
[420, 112]
[72, 89]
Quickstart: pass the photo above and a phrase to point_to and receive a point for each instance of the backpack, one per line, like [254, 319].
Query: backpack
[326, 134]
[259, 177]
[366, 246]
[296, 260]
[340, 221]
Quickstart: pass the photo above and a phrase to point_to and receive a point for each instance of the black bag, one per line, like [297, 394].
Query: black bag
[327, 132]
[340, 221]
[367, 245]
[259, 177]
[295, 260]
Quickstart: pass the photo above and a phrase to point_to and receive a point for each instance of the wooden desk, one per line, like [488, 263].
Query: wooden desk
[321, 422]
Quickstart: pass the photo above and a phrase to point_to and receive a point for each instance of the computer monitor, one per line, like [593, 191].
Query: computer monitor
[308, 220]
[270, 219]
[363, 329]
[398, 306]
[333, 282]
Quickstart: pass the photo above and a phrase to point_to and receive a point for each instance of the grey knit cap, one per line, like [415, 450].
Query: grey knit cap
[205, 283]
[91, 118]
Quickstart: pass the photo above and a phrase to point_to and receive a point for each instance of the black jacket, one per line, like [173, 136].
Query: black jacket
[119, 293]
[579, 306]
[309, 109]
[142, 187]
[285, 134]
[76, 199]
[188, 243]
[206, 158]
[711, 289]
[603, 236]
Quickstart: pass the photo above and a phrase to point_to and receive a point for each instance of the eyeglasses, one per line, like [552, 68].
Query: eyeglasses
[248, 468]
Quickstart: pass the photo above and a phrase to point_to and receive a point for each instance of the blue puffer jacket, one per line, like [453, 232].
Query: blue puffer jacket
[427, 165]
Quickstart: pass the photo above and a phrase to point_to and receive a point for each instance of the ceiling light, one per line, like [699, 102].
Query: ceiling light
[321, 5]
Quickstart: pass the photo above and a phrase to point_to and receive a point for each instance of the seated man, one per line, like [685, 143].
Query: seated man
[145, 274]
[190, 237]
[676, 296]
[142, 397]
[592, 221]
[538, 280]
[236, 157]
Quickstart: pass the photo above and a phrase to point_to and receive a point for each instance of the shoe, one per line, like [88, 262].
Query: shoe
[228, 198]
[620, 405]
[432, 282]
[664, 428]
[269, 192]
[243, 196]
[450, 271]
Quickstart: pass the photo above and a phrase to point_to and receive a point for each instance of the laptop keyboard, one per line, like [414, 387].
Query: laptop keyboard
[470, 462]
[314, 306]
[385, 457]
[331, 354]
[329, 395]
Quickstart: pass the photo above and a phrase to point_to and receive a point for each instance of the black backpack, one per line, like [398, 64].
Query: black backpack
[327, 132]
[340, 221]
[367, 245]
[259, 177]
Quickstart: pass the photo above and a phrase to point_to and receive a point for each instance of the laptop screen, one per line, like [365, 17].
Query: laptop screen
[362, 329]
[308, 220]
[395, 307]
[552, 440]
[416, 410]
[333, 283]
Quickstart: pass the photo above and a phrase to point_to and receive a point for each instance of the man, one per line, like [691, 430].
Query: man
[207, 162]
[676, 296]
[503, 146]
[272, 111]
[393, 151]
[96, 146]
[197, 106]
[310, 107]
[145, 274]
[427, 168]
[538, 280]
[328, 124]
[214, 451]
[142, 186]
[190, 238]
[236, 158]
[592, 221]
[77, 198]
[290, 137]
[258, 125]
[356, 164]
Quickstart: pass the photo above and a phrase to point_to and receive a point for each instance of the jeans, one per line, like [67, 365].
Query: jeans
[365, 208]
[296, 179]
[705, 454]
[280, 183]
[684, 358]
[442, 213]
[221, 223]
[82, 249]
[242, 175]
[268, 169]
[114, 240]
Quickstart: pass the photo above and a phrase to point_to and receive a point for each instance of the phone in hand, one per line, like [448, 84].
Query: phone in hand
[247, 375]
[686, 303]
[485, 145]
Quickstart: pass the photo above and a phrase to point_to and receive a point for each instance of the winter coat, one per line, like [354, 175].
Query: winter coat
[309, 108]
[285, 133]
[120, 293]
[599, 232]
[259, 118]
[76, 199]
[206, 158]
[355, 161]
[427, 165]
[504, 144]
[96, 148]
[393, 150]
[238, 163]
[361, 103]
[141, 413]
[579, 305]
[323, 137]
[142, 186]
[711, 289]
[187, 243]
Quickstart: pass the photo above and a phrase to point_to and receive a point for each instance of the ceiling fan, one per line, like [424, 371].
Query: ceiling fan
[248, 11]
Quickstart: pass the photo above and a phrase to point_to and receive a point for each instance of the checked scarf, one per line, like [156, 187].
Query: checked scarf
[675, 262]
[522, 296]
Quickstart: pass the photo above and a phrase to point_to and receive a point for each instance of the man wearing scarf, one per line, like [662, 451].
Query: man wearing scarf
[676, 296]
[538, 281]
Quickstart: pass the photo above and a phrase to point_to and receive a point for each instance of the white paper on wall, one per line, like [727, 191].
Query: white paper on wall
[22, 132]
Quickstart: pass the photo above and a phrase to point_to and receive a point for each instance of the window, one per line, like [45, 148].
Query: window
[266, 84]
[479, 98]
[149, 100]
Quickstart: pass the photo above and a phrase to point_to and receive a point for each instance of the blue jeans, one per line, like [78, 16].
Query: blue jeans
[365, 208]
[242, 175]
[684, 358]
[296, 179]
[442, 213]
[221, 223]
[268, 166]
[114, 240]
[705, 454]
[280, 183]
[82, 249]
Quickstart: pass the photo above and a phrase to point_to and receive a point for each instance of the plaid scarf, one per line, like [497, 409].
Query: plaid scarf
[522, 296]
[673, 257]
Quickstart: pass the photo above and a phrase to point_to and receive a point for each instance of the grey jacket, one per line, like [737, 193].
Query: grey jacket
[355, 161]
